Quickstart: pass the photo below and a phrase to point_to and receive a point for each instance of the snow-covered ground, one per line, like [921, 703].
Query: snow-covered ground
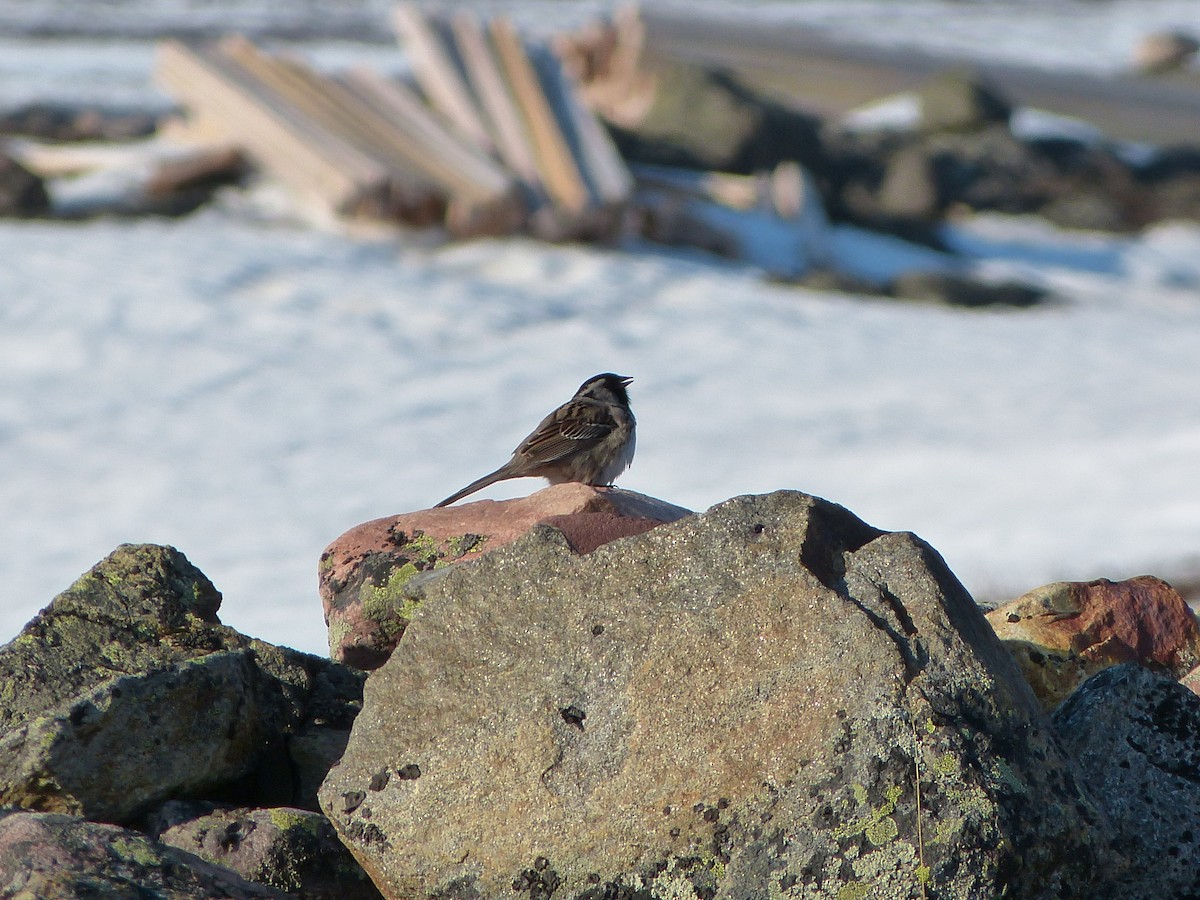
[246, 387]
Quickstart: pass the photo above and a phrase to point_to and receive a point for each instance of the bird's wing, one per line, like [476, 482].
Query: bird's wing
[572, 427]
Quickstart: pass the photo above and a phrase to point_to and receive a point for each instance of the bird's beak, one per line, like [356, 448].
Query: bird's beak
[626, 381]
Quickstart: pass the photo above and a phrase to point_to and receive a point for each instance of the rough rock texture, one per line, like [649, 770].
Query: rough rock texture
[1062, 633]
[44, 856]
[366, 574]
[741, 704]
[291, 849]
[1137, 735]
[126, 691]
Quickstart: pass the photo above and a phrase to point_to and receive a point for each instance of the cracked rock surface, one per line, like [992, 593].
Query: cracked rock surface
[771, 699]
[126, 691]
[1137, 735]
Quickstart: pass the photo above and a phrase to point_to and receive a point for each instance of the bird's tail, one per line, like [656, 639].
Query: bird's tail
[477, 485]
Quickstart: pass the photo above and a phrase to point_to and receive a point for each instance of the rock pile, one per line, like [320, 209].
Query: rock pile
[771, 699]
[126, 695]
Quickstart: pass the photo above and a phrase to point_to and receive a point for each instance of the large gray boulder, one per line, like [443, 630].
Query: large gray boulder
[1137, 735]
[772, 699]
[126, 691]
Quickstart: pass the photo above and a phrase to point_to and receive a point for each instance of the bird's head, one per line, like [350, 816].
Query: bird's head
[606, 386]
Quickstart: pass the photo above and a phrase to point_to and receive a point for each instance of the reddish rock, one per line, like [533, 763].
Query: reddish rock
[367, 574]
[1063, 633]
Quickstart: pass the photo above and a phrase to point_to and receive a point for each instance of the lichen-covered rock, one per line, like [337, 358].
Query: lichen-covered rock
[294, 850]
[1137, 735]
[772, 699]
[366, 576]
[1063, 633]
[46, 856]
[126, 690]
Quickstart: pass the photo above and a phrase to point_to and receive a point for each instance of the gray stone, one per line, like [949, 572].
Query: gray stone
[708, 119]
[63, 122]
[126, 691]
[909, 188]
[291, 849]
[48, 856]
[772, 699]
[1137, 735]
[960, 100]
[22, 193]
[953, 289]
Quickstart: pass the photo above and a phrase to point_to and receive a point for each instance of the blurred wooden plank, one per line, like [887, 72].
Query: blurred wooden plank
[75, 158]
[485, 197]
[444, 154]
[312, 162]
[557, 165]
[406, 192]
[513, 141]
[602, 166]
[438, 74]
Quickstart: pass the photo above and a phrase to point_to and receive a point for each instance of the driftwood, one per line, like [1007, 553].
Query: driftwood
[555, 162]
[155, 176]
[495, 97]
[492, 139]
[438, 75]
[316, 164]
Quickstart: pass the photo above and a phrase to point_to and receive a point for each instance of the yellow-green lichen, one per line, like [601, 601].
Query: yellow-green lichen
[287, 819]
[879, 827]
[672, 887]
[136, 851]
[924, 874]
[462, 544]
[422, 547]
[947, 829]
[882, 831]
[945, 764]
[854, 891]
[682, 879]
[388, 602]
[338, 632]
[714, 864]
[384, 598]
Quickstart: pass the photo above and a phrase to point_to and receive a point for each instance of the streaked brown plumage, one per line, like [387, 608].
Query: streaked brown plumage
[589, 439]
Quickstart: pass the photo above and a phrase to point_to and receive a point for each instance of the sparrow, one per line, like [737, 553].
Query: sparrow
[589, 439]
